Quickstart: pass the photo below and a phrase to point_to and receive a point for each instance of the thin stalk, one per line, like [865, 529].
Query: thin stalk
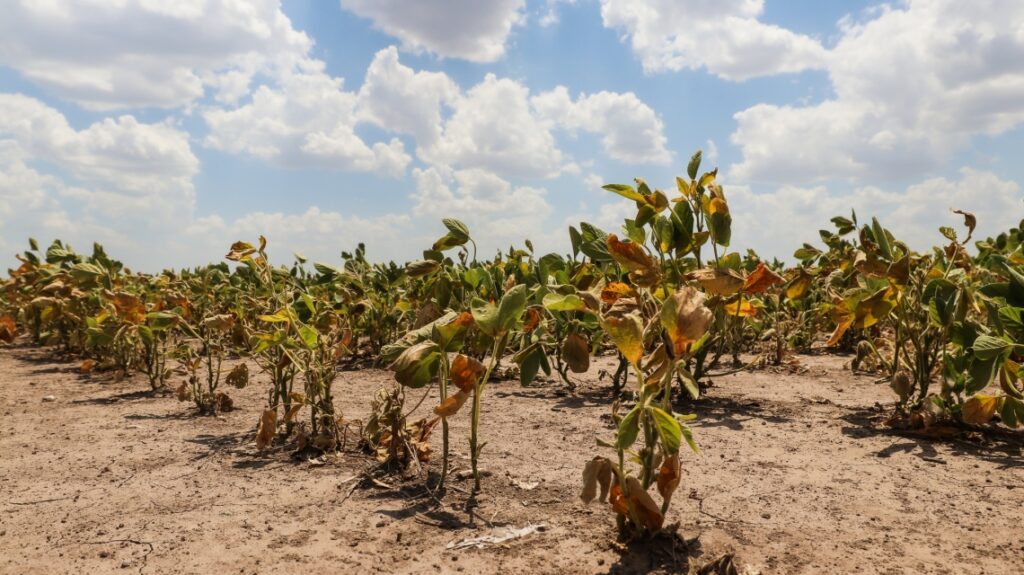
[474, 429]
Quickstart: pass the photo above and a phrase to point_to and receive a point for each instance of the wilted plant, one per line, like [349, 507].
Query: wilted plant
[203, 360]
[678, 328]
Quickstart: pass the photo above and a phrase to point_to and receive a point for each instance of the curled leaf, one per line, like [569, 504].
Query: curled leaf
[623, 325]
[598, 472]
[719, 281]
[466, 372]
[685, 318]
[239, 376]
[452, 404]
[669, 476]
[267, 429]
[632, 256]
[417, 365]
[761, 280]
[221, 323]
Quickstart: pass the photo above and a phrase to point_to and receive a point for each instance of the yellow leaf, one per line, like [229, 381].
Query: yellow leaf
[980, 409]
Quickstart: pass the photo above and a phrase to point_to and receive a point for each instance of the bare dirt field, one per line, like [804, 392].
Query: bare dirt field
[798, 475]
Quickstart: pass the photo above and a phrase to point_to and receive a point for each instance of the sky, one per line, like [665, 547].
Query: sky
[168, 130]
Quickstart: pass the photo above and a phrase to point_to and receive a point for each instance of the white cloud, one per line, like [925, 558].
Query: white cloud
[500, 213]
[631, 131]
[308, 120]
[494, 128]
[400, 99]
[466, 29]
[119, 180]
[140, 53]
[912, 86]
[723, 36]
[135, 162]
[550, 13]
[319, 235]
[777, 223]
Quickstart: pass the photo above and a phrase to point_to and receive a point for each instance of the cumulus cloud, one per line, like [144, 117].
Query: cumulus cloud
[400, 99]
[912, 86]
[504, 213]
[118, 158]
[142, 53]
[493, 127]
[466, 29]
[725, 37]
[307, 120]
[630, 130]
[777, 223]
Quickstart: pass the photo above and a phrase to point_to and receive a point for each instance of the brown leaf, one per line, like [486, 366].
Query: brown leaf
[267, 429]
[668, 477]
[466, 372]
[452, 404]
[719, 281]
[8, 329]
[615, 290]
[648, 511]
[685, 318]
[87, 366]
[238, 377]
[598, 472]
[129, 307]
[297, 401]
[761, 280]
[183, 392]
[576, 353]
[531, 320]
[632, 256]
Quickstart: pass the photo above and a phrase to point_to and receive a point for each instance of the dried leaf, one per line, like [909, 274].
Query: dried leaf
[668, 477]
[238, 377]
[761, 280]
[719, 281]
[466, 372]
[576, 353]
[685, 318]
[267, 429]
[598, 472]
[452, 404]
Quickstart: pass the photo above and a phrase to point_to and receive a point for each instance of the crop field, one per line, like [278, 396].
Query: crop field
[650, 402]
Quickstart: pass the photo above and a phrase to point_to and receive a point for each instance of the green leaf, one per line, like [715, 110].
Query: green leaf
[668, 429]
[512, 305]
[987, 347]
[694, 166]
[981, 373]
[881, 239]
[628, 429]
[529, 366]
[458, 234]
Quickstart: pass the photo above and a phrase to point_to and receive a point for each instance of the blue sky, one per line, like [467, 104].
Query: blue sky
[167, 131]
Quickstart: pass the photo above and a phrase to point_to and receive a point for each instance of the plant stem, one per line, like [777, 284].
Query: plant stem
[475, 426]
